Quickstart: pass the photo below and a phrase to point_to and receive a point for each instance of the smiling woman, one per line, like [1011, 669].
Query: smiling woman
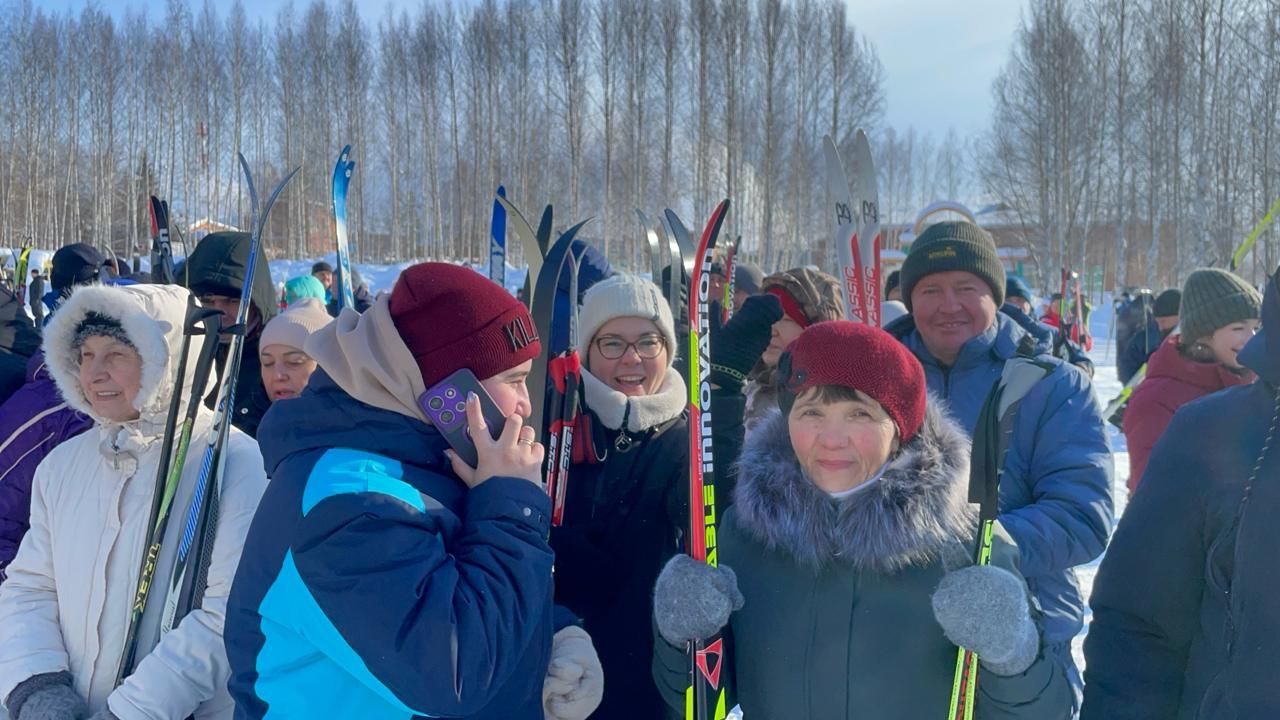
[626, 503]
[847, 542]
[110, 368]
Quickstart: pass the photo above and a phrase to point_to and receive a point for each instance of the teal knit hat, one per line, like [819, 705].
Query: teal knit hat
[1212, 299]
[954, 245]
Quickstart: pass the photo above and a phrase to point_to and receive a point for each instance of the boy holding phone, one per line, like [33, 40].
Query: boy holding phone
[384, 576]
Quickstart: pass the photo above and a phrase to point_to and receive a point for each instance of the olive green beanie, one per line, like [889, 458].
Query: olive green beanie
[953, 245]
[1212, 299]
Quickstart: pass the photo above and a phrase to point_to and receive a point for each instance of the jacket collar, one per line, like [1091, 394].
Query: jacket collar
[917, 508]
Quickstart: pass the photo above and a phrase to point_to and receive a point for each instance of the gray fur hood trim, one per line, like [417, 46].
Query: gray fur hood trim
[919, 505]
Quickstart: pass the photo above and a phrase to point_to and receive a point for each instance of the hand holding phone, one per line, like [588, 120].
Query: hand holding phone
[484, 443]
[516, 452]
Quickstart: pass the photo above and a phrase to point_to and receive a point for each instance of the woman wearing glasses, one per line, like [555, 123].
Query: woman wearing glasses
[626, 497]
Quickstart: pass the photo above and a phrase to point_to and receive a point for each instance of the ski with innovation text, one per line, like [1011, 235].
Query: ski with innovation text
[705, 698]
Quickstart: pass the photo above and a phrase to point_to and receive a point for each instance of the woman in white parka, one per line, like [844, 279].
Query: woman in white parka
[64, 610]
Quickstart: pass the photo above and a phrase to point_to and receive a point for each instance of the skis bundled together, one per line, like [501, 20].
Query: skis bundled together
[856, 236]
[191, 568]
[555, 383]
[199, 321]
[341, 179]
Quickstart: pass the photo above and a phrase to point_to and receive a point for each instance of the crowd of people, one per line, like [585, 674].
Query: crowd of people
[364, 567]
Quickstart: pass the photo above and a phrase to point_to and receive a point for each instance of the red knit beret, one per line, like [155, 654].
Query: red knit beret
[859, 357]
[452, 317]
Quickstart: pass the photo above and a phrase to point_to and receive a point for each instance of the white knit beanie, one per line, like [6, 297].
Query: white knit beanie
[293, 326]
[624, 295]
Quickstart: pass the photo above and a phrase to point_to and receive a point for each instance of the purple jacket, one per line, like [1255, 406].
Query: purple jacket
[32, 423]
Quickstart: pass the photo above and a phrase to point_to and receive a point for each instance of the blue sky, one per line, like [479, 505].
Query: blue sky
[940, 56]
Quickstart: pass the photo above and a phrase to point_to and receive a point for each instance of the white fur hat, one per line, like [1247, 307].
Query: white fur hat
[293, 326]
[625, 295]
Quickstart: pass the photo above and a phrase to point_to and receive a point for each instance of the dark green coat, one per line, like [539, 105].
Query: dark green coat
[837, 621]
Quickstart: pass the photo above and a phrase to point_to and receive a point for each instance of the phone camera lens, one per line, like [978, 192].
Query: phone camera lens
[435, 403]
[460, 407]
[446, 417]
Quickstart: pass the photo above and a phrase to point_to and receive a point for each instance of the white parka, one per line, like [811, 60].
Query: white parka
[66, 603]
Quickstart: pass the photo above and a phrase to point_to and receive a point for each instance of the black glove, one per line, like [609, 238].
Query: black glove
[737, 346]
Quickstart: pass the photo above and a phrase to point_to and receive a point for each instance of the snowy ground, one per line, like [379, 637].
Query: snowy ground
[1106, 385]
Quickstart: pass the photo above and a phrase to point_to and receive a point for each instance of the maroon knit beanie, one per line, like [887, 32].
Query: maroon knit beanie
[859, 357]
[452, 317]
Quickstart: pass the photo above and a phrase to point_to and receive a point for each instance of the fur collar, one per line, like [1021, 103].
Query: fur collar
[919, 505]
[649, 411]
[152, 316]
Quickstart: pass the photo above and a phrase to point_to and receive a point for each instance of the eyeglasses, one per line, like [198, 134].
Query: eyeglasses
[647, 347]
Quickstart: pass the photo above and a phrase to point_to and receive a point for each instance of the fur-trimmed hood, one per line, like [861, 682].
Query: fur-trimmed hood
[917, 507]
[152, 316]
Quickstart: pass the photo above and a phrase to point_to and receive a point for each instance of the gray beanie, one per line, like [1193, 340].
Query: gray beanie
[1212, 299]
[624, 295]
[956, 245]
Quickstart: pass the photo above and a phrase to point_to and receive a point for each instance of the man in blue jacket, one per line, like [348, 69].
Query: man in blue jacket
[383, 577]
[1055, 489]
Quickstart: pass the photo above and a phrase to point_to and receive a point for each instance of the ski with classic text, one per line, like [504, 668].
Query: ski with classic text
[195, 548]
[341, 179]
[867, 214]
[705, 698]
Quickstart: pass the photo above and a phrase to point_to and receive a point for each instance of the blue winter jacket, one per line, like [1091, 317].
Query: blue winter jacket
[1055, 490]
[375, 585]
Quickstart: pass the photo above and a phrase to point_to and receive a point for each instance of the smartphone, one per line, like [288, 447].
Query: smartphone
[445, 403]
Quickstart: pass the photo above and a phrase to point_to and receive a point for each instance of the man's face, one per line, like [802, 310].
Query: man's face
[325, 277]
[951, 308]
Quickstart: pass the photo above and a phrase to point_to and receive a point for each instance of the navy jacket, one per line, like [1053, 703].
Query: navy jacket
[1186, 624]
[1060, 346]
[374, 584]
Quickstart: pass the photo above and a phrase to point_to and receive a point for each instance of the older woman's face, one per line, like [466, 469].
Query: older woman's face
[840, 444]
[285, 370]
[784, 331]
[110, 377]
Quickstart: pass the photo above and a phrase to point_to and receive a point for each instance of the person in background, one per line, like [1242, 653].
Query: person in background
[893, 286]
[215, 272]
[360, 297]
[286, 367]
[1220, 313]
[1055, 488]
[1185, 618]
[1018, 305]
[323, 272]
[1162, 322]
[35, 296]
[303, 286]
